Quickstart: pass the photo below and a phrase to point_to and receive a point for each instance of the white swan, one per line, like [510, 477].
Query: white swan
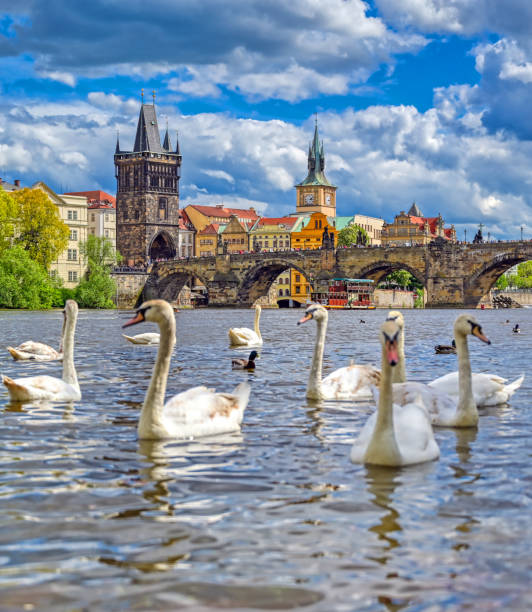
[243, 336]
[196, 412]
[36, 351]
[147, 338]
[444, 409]
[394, 435]
[350, 382]
[63, 389]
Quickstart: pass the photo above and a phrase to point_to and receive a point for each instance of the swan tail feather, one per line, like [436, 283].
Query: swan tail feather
[14, 353]
[16, 391]
[129, 338]
[241, 393]
[513, 386]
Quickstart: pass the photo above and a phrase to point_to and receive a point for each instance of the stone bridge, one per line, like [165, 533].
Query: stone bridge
[454, 275]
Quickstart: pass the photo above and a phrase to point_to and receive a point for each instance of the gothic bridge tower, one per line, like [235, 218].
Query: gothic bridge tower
[147, 198]
[315, 193]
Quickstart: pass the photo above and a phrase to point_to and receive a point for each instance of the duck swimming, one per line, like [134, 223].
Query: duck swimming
[245, 364]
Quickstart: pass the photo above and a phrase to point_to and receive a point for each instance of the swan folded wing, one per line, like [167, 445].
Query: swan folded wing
[488, 389]
[199, 404]
[353, 381]
[40, 387]
[243, 335]
[38, 348]
[414, 434]
[441, 407]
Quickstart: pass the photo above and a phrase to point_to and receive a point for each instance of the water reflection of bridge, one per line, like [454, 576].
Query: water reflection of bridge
[454, 275]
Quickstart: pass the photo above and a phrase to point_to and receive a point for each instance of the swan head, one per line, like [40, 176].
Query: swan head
[152, 310]
[395, 315]
[389, 337]
[466, 324]
[314, 311]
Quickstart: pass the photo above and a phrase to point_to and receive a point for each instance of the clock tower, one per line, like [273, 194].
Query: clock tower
[315, 193]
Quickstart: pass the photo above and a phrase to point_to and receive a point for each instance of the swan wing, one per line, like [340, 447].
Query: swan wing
[147, 338]
[243, 336]
[351, 382]
[413, 434]
[40, 387]
[201, 411]
[34, 350]
[440, 407]
[488, 389]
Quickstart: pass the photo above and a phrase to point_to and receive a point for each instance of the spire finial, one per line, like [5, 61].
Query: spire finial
[316, 119]
[142, 95]
[153, 96]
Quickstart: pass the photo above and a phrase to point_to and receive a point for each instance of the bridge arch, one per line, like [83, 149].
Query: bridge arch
[379, 270]
[259, 277]
[168, 285]
[486, 275]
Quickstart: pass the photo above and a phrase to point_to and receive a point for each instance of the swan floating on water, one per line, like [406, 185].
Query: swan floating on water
[196, 412]
[243, 336]
[37, 351]
[48, 387]
[350, 382]
[147, 338]
[394, 435]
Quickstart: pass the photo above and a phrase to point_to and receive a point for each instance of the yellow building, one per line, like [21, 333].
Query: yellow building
[70, 265]
[235, 235]
[207, 240]
[412, 228]
[202, 216]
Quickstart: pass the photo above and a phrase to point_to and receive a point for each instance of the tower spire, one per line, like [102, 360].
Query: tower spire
[117, 149]
[166, 144]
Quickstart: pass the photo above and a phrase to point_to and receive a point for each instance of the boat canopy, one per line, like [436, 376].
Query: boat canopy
[355, 280]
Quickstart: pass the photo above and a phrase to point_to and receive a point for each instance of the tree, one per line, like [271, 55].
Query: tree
[8, 215]
[39, 230]
[403, 279]
[24, 283]
[350, 235]
[97, 289]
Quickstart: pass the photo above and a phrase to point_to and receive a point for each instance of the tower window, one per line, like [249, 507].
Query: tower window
[163, 208]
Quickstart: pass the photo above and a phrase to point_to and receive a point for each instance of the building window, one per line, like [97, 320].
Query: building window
[93, 217]
[106, 233]
[72, 276]
[72, 215]
[106, 217]
[298, 289]
[163, 208]
[72, 255]
[53, 273]
[298, 278]
[73, 234]
[137, 215]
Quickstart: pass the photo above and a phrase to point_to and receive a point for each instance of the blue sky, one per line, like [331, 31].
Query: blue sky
[417, 100]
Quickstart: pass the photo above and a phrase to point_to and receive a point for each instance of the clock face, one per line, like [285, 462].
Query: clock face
[309, 198]
[328, 198]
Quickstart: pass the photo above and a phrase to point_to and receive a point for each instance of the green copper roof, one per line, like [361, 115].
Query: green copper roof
[316, 163]
[341, 222]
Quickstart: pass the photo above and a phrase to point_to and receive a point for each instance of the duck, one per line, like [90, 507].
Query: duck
[243, 336]
[63, 389]
[197, 412]
[446, 410]
[147, 338]
[245, 364]
[445, 349]
[516, 329]
[347, 383]
[394, 436]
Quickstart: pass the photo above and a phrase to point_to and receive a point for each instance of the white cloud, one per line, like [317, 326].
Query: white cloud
[62, 77]
[220, 174]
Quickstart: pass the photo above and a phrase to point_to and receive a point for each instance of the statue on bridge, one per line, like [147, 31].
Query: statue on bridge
[478, 239]
[327, 241]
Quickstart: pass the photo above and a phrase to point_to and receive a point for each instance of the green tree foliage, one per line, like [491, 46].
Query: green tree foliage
[521, 280]
[24, 283]
[8, 215]
[349, 235]
[502, 282]
[40, 231]
[97, 289]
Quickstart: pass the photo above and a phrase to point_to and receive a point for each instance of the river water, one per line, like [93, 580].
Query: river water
[272, 518]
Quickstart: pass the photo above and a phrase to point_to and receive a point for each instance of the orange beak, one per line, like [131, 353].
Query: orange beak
[138, 318]
[306, 318]
[477, 331]
[391, 352]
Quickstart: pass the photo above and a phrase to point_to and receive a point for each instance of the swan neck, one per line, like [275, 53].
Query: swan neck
[69, 371]
[314, 390]
[257, 319]
[152, 409]
[382, 448]
[466, 408]
[399, 371]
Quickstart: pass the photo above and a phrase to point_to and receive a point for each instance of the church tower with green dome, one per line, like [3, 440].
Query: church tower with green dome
[315, 193]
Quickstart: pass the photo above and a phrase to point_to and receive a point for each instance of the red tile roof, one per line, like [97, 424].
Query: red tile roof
[216, 211]
[432, 223]
[210, 229]
[95, 196]
[290, 221]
